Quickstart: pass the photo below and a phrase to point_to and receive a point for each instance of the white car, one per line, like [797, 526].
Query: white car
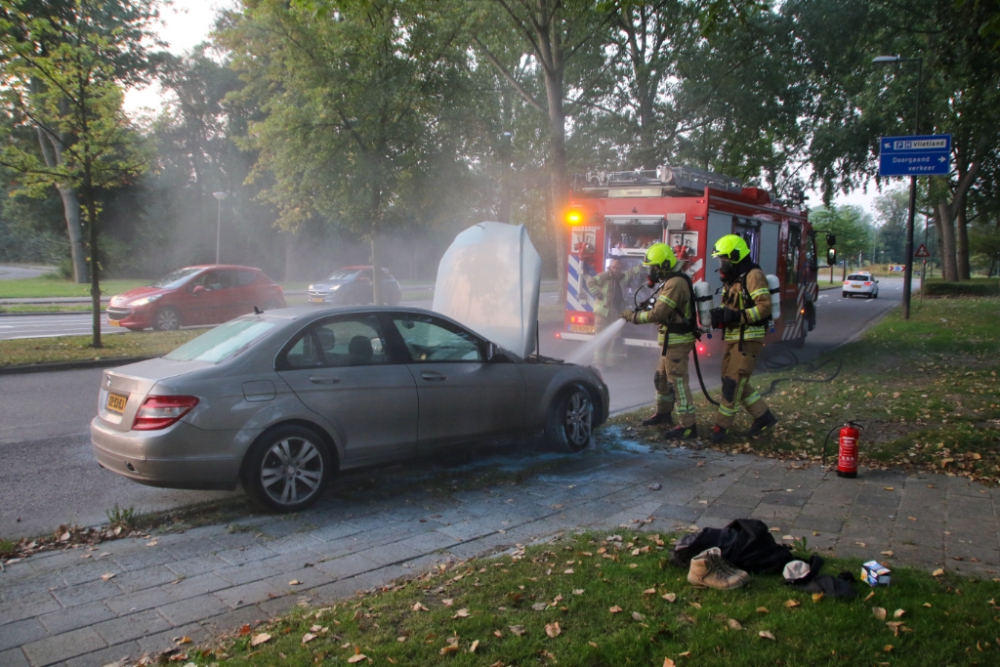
[861, 284]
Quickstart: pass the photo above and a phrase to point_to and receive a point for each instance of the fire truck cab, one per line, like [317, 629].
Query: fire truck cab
[618, 215]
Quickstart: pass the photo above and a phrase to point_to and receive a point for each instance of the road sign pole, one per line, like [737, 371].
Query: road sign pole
[908, 273]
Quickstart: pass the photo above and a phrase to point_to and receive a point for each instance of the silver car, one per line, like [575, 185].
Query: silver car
[281, 401]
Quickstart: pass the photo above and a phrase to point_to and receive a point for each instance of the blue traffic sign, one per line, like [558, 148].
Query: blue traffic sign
[928, 155]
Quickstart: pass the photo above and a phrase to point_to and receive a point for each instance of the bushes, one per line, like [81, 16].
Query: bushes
[977, 287]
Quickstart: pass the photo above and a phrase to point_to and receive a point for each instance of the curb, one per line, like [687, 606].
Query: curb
[70, 365]
[54, 312]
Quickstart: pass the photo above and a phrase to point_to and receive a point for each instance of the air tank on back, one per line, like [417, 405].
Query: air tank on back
[703, 299]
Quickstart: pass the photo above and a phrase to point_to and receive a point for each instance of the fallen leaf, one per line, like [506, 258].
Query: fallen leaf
[568, 570]
[594, 644]
[257, 640]
[152, 543]
[927, 604]
[763, 610]
[870, 596]
[517, 630]
[734, 624]
[461, 613]
[308, 637]
[357, 657]
[888, 647]
[294, 582]
[791, 604]
[450, 648]
[766, 635]
[861, 544]
[108, 576]
[938, 572]
[649, 591]
[879, 613]
[789, 538]
[615, 610]
[637, 616]
[886, 553]
[577, 591]
[696, 605]
[553, 629]
[475, 645]
[447, 602]
[889, 488]
[894, 626]
[419, 607]
[684, 654]
[817, 597]
[667, 662]
[540, 606]
[401, 639]
[669, 597]
[898, 613]
[183, 640]
[245, 629]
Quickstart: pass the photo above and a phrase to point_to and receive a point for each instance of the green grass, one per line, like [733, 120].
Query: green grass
[594, 600]
[77, 348]
[51, 286]
[925, 390]
[48, 308]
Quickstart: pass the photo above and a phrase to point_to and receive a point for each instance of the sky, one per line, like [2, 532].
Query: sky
[188, 22]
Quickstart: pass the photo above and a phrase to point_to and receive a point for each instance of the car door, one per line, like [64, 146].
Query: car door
[463, 397]
[341, 368]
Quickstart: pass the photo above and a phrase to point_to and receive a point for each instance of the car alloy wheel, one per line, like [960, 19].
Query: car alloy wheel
[288, 469]
[167, 319]
[569, 425]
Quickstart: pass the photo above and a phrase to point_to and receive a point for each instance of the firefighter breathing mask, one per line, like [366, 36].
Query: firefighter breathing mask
[661, 260]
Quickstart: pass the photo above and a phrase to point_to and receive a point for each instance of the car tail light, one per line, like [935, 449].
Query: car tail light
[867, 283]
[158, 412]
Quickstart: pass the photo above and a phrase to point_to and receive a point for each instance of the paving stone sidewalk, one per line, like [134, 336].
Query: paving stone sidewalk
[58, 609]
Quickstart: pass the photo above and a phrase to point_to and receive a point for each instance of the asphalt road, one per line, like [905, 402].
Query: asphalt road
[15, 271]
[49, 476]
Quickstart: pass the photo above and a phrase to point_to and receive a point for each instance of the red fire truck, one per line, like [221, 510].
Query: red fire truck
[618, 215]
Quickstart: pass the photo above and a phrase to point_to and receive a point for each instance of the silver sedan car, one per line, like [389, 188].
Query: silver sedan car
[281, 401]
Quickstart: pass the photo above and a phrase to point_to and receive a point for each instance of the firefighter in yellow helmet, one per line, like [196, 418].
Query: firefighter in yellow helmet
[672, 309]
[743, 315]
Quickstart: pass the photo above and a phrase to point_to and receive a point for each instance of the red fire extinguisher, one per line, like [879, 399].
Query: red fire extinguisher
[847, 458]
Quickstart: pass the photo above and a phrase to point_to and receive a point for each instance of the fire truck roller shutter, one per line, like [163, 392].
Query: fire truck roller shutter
[769, 247]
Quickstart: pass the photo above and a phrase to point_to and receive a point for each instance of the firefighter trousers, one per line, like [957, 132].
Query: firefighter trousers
[673, 385]
[737, 367]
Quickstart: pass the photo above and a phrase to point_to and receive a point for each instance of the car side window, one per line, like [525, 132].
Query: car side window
[350, 341]
[431, 340]
[245, 278]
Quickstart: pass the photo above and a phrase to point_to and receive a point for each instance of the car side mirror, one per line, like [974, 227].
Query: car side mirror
[831, 239]
[198, 289]
[492, 351]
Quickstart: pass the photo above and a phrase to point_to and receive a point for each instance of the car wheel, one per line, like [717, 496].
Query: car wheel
[167, 319]
[844, 295]
[875, 295]
[135, 328]
[287, 468]
[569, 424]
[800, 342]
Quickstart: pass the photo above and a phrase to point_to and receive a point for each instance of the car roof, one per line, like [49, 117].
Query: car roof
[221, 266]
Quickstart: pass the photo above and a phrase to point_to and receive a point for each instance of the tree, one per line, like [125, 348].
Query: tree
[352, 93]
[64, 81]
[892, 209]
[850, 224]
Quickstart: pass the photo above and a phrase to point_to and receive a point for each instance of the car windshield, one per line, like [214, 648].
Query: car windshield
[858, 276]
[174, 279]
[341, 275]
[223, 341]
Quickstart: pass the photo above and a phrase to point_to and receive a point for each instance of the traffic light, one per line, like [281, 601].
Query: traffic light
[574, 217]
[831, 256]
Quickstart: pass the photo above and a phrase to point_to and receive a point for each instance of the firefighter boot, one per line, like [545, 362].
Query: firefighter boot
[709, 570]
[761, 424]
[682, 433]
[719, 434]
[658, 418]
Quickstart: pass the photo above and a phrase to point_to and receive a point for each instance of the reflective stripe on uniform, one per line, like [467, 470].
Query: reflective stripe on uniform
[728, 412]
[683, 407]
[667, 300]
[756, 293]
[750, 333]
[751, 399]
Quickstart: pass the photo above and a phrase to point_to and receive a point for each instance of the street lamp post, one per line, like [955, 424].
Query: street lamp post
[218, 222]
[908, 273]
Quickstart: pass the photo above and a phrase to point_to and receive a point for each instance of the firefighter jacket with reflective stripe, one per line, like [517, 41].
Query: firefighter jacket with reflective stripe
[672, 310]
[607, 290]
[753, 315]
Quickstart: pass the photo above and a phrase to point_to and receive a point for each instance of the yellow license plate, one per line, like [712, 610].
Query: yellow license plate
[581, 328]
[114, 323]
[316, 299]
[116, 403]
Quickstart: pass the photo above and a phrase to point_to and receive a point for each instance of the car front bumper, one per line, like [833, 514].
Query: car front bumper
[178, 457]
[138, 318]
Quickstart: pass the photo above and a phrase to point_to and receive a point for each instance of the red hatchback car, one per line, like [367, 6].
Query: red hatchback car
[195, 295]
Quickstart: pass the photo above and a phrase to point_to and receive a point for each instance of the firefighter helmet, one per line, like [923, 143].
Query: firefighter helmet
[732, 247]
[660, 254]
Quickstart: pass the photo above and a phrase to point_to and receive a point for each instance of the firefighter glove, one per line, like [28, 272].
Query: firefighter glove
[629, 315]
[723, 317]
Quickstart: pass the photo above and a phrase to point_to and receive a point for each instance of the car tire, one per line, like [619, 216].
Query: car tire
[569, 423]
[844, 295]
[135, 328]
[875, 295]
[167, 318]
[287, 468]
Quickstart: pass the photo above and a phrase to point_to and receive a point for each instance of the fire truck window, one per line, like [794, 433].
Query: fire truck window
[632, 239]
[811, 259]
[792, 255]
[750, 235]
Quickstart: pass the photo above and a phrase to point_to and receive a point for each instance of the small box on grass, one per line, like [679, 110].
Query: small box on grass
[874, 573]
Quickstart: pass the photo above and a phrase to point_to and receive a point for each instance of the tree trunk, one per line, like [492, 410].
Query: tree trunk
[962, 245]
[95, 286]
[52, 154]
[947, 229]
[559, 178]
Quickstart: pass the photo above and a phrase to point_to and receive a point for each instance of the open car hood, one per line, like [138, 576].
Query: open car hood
[489, 281]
